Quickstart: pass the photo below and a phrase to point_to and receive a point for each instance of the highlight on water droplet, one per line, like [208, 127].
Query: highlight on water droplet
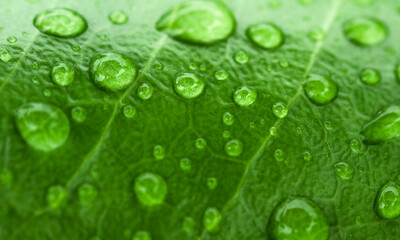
[265, 35]
[343, 170]
[75, 48]
[228, 118]
[12, 39]
[370, 76]
[199, 22]
[62, 74]
[200, 143]
[365, 31]
[78, 114]
[211, 219]
[118, 17]
[221, 75]
[307, 156]
[212, 183]
[244, 96]
[317, 34]
[145, 91]
[129, 111]
[56, 196]
[42, 126]
[280, 110]
[320, 90]
[185, 164]
[234, 147]
[355, 145]
[159, 152]
[272, 131]
[298, 218]
[241, 57]
[112, 71]
[150, 189]
[87, 194]
[141, 235]
[5, 55]
[60, 22]
[188, 85]
[387, 201]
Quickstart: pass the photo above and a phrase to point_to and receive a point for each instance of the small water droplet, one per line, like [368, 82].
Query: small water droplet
[211, 219]
[355, 145]
[344, 170]
[12, 39]
[118, 17]
[328, 125]
[244, 96]
[75, 48]
[35, 80]
[56, 196]
[320, 90]
[387, 202]
[78, 114]
[201, 22]
[129, 111]
[200, 143]
[228, 118]
[221, 75]
[284, 63]
[47, 93]
[60, 22]
[185, 164]
[265, 35]
[193, 66]
[370, 76]
[102, 36]
[87, 194]
[203, 68]
[307, 156]
[317, 35]
[272, 131]
[145, 91]
[252, 125]
[279, 155]
[212, 183]
[6, 177]
[226, 134]
[188, 225]
[150, 189]
[365, 31]
[241, 57]
[234, 147]
[5, 55]
[299, 131]
[188, 85]
[280, 110]
[159, 152]
[62, 74]
[158, 66]
[141, 235]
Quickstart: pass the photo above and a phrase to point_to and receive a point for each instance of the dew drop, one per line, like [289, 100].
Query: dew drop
[35, 80]
[5, 55]
[211, 219]
[298, 218]
[279, 155]
[244, 96]
[272, 131]
[185, 164]
[142, 235]
[150, 189]
[307, 156]
[129, 111]
[317, 35]
[60, 22]
[200, 143]
[200, 22]
[75, 48]
[226, 134]
[228, 118]
[365, 31]
[12, 39]
[43, 127]
[234, 147]
[56, 196]
[212, 183]
[112, 71]
[328, 125]
[188, 225]
[370, 76]
[118, 17]
[383, 126]
[241, 57]
[158, 66]
[145, 91]
[221, 75]
[87, 194]
[62, 74]
[355, 145]
[265, 35]
[188, 85]
[280, 110]
[387, 202]
[159, 152]
[344, 170]
[47, 93]
[79, 114]
[320, 90]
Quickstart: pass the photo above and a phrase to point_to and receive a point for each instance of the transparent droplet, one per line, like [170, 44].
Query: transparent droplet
[188, 85]
[221, 75]
[212, 183]
[87, 194]
[188, 225]
[387, 202]
[129, 111]
[159, 152]
[112, 71]
[265, 35]
[145, 91]
[211, 219]
[241, 57]
[203, 68]
[244, 96]
[234, 147]
[370, 76]
[185, 164]
[62, 74]
[150, 189]
[102, 36]
[60, 22]
[141, 235]
[328, 125]
[279, 155]
[47, 92]
[284, 63]
[118, 17]
[75, 48]
[201, 22]
[12, 39]
[280, 110]
[320, 90]
[344, 170]
[317, 35]
[355, 145]
[200, 143]
[226, 134]
[158, 66]
[78, 114]
[307, 156]
[228, 118]
[56, 196]
[5, 55]
[43, 127]
[365, 31]
[272, 131]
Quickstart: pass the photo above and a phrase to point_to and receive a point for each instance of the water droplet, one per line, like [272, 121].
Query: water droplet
[383, 126]
[47, 93]
[387, 202]
[142, 235]
[328, 125]
[56, 196]
[234, 147]
[75, 48]
[188, 225]
[244, 96]
[212, 218]
[145, 91]
[317, 35]
[200, 143]
[265, 35]
[279, 155]
[102, 36]
[252, 125]
[5, 55]
[60, 22]
[201, 22]
[307, 156]
[87, 194]
[158, 66]
[228, 118]
[43, 127]
[62, 74]
[193, 66]
[150, 189]
[284, 63]
[6, 177]
[112, 71]
[35, 80]
[212, 183]
[280, 110]
[12, 39]
[355, 145]
[129, 111]
[370, 76]
[78, 114]
[320, 90]
[188, 85]
[241, 57]
[221, 75]
[365, 31]
[159, 152]
[272, 131]
[118, 17]
[298, 218]
[299, 131]
[203, 68]
[226, 134]
[344, 170]
[185, 164]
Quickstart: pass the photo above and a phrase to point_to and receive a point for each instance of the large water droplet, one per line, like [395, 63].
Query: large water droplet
[280, 110]
[244, 96]
[112, 71]
[56, 196]
[145, 91]
[344, 170]
[317, 34]
[234, 147]
[320, 90]
[150, 189]
[87, 194]
[188, 85]
[265, 35]
[298, 219]
[355, 145]
[211, 219]
[141, 235]
[118, 17]
[62, 74]
[387, 202]
[12, 39]
[201, 22]
[365, 31]
[60, 22]
[79, 114]
[383, 126]
[42, 126]
[228, 118]
[370, 76]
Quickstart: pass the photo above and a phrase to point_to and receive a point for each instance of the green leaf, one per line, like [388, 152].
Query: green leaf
[215, 168]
